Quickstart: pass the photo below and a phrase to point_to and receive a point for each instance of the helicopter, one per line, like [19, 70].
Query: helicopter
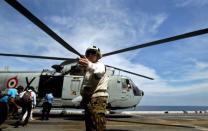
[121, 97]
[65, 81]
[123, 93]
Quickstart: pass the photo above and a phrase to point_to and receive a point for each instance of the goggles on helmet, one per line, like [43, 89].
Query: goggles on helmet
[90, 52]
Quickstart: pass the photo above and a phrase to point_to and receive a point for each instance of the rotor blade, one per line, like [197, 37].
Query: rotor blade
[130, 72]
[39, 57]
[161, 41]
[15, 4]
[67, 62]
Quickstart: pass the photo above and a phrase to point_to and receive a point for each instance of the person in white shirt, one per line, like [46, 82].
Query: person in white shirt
[94, 90]
[33, 96]
[25, 101]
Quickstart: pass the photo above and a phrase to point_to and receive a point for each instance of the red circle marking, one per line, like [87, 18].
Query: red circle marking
[12, 82]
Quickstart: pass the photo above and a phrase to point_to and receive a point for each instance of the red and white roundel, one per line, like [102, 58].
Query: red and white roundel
[12, 82]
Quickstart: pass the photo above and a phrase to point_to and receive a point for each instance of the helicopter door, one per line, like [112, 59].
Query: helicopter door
[72, 87]
[53, 83]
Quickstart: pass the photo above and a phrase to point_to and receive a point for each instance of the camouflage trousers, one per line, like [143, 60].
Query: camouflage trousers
[95, 109]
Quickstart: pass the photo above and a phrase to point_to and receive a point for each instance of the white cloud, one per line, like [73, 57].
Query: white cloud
[200, 72]
[162, 88]
[107, 27]
[202, 65]
[196, 3]
[158, 20]
[192, 81]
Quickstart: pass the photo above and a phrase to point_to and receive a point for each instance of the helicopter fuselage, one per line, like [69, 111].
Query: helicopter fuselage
[66, 88]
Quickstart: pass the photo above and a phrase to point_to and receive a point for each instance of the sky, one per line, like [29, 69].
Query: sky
[180, 68]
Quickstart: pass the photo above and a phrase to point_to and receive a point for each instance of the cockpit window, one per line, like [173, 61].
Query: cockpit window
[126, 85]
[136, 90]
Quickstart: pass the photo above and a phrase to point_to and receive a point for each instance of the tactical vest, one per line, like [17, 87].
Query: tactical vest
[89, 85]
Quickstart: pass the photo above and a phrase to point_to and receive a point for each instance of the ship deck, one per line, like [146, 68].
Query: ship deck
[117, 122]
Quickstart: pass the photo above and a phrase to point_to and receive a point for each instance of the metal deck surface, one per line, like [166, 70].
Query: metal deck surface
[145, 122]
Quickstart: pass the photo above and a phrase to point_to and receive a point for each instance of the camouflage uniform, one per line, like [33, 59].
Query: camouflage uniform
[95, 110]
[94, 94]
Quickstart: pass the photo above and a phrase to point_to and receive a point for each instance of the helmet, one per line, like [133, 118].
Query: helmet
[93, 50]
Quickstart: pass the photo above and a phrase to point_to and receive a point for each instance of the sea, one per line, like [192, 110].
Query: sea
[169, 108]
[157, 108]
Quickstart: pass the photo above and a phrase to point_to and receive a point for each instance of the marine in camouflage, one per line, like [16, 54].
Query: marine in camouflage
[95, 109]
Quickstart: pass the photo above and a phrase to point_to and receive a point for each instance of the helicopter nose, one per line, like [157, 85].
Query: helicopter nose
[142, 93]
[138, 92]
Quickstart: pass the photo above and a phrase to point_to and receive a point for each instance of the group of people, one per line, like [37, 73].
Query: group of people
[16, 98]
[93, 91]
